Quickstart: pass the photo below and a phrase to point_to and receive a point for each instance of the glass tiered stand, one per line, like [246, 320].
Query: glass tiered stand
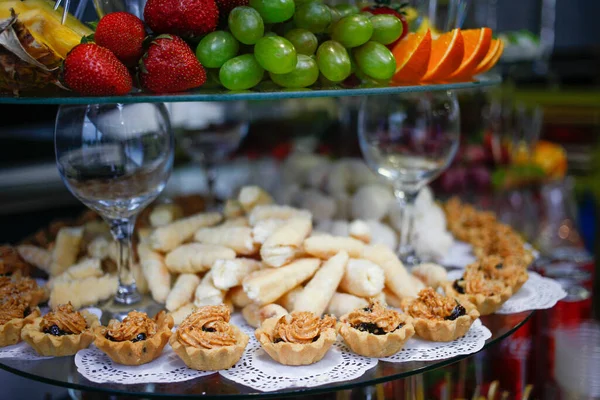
[62, 371]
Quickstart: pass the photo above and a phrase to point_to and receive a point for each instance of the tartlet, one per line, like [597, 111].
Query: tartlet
[14, 315]
[510, 270]
[299, 338]
[135, 341]
[487, 295]
[62, 332]
[376, 331]
[206, 341]
[25, 288]
[440, 318]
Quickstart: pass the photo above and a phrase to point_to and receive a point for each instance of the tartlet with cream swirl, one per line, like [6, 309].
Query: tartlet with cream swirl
[136, 340]
[207, 341]
[61, 332]
[15, 313]
[299, 338]
[376, 331]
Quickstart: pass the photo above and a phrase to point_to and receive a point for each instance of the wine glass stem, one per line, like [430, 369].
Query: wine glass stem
[211, 179]
[406, 251]
[122, 229]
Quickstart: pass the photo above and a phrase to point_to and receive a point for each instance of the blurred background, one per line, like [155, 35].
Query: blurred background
[530, 151]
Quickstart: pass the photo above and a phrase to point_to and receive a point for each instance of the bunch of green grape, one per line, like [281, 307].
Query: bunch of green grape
[299, 44]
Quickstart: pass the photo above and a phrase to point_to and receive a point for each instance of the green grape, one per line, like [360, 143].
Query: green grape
[375, 60]
[276, 54]
[386, 28]
[246, 24]
[304, 41]
[305, 74]
[346, 9]
[241, 72]
[313, 16]
[273, 11]
[353, 30]
[366, 13]
[335, 16]
[216, 48]
[334, 61]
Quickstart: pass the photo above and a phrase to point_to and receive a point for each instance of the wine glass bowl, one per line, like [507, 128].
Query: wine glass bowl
[116, 159]
[209, 133]
[409, 140]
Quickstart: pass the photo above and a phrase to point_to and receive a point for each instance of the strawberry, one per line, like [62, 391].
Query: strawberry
[225, 7]
[123, 34]
[385, 7]
[185, 18]
[170, 66]
[92, 70]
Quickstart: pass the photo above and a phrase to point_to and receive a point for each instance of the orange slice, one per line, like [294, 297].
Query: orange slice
[491, 58]
[477, 45]
[412, 57]
[446, 56]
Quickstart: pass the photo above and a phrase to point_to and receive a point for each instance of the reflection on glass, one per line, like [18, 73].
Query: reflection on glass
[209, 133]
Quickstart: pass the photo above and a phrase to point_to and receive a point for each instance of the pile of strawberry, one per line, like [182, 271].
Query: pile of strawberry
[120, 49]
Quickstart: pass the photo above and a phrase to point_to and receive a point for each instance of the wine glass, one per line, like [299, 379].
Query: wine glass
[209, 133]
[116, 159]
[409, 139]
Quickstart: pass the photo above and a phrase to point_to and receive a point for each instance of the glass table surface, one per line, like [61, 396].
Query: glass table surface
[61, 371]
[220, 94]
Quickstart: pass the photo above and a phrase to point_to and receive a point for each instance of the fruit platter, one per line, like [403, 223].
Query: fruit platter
[208, 50]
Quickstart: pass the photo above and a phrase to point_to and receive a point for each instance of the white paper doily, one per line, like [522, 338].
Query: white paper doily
[538, 293]
[257, 369]
[97, 367]
[22, 351]
[417, 349]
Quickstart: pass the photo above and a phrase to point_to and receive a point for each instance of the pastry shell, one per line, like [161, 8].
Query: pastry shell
[486, 305]
[138, 353]
[10, 332]
[436, 330]
[371, 345]
[58, 346]
[520, 280]
[294, 353]
[211, 359]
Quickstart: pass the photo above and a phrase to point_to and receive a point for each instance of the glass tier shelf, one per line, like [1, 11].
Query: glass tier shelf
[65, 97]
[63, 372]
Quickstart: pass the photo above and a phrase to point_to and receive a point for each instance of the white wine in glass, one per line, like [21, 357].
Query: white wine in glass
[409, 139]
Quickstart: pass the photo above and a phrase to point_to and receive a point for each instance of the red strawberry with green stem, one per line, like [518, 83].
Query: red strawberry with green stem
[93, 70]
[397, 10]
[123, 34]
[186, 18]
[170, 66]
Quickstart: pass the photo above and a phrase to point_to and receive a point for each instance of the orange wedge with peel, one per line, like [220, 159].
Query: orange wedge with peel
[477, 45]
[412, 57]
[447, 51]
[492, 57]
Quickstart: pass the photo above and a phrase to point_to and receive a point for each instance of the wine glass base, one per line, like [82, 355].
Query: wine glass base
[409, 259]
[113, 309]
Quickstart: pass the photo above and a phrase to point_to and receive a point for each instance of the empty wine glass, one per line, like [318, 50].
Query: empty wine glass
[409, 139]
[116, 159]
[209, 133]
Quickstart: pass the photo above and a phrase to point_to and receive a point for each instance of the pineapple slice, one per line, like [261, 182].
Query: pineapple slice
[44, 24]
[33, 44]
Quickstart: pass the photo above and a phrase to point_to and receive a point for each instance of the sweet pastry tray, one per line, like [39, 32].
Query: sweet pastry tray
[62, 371]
